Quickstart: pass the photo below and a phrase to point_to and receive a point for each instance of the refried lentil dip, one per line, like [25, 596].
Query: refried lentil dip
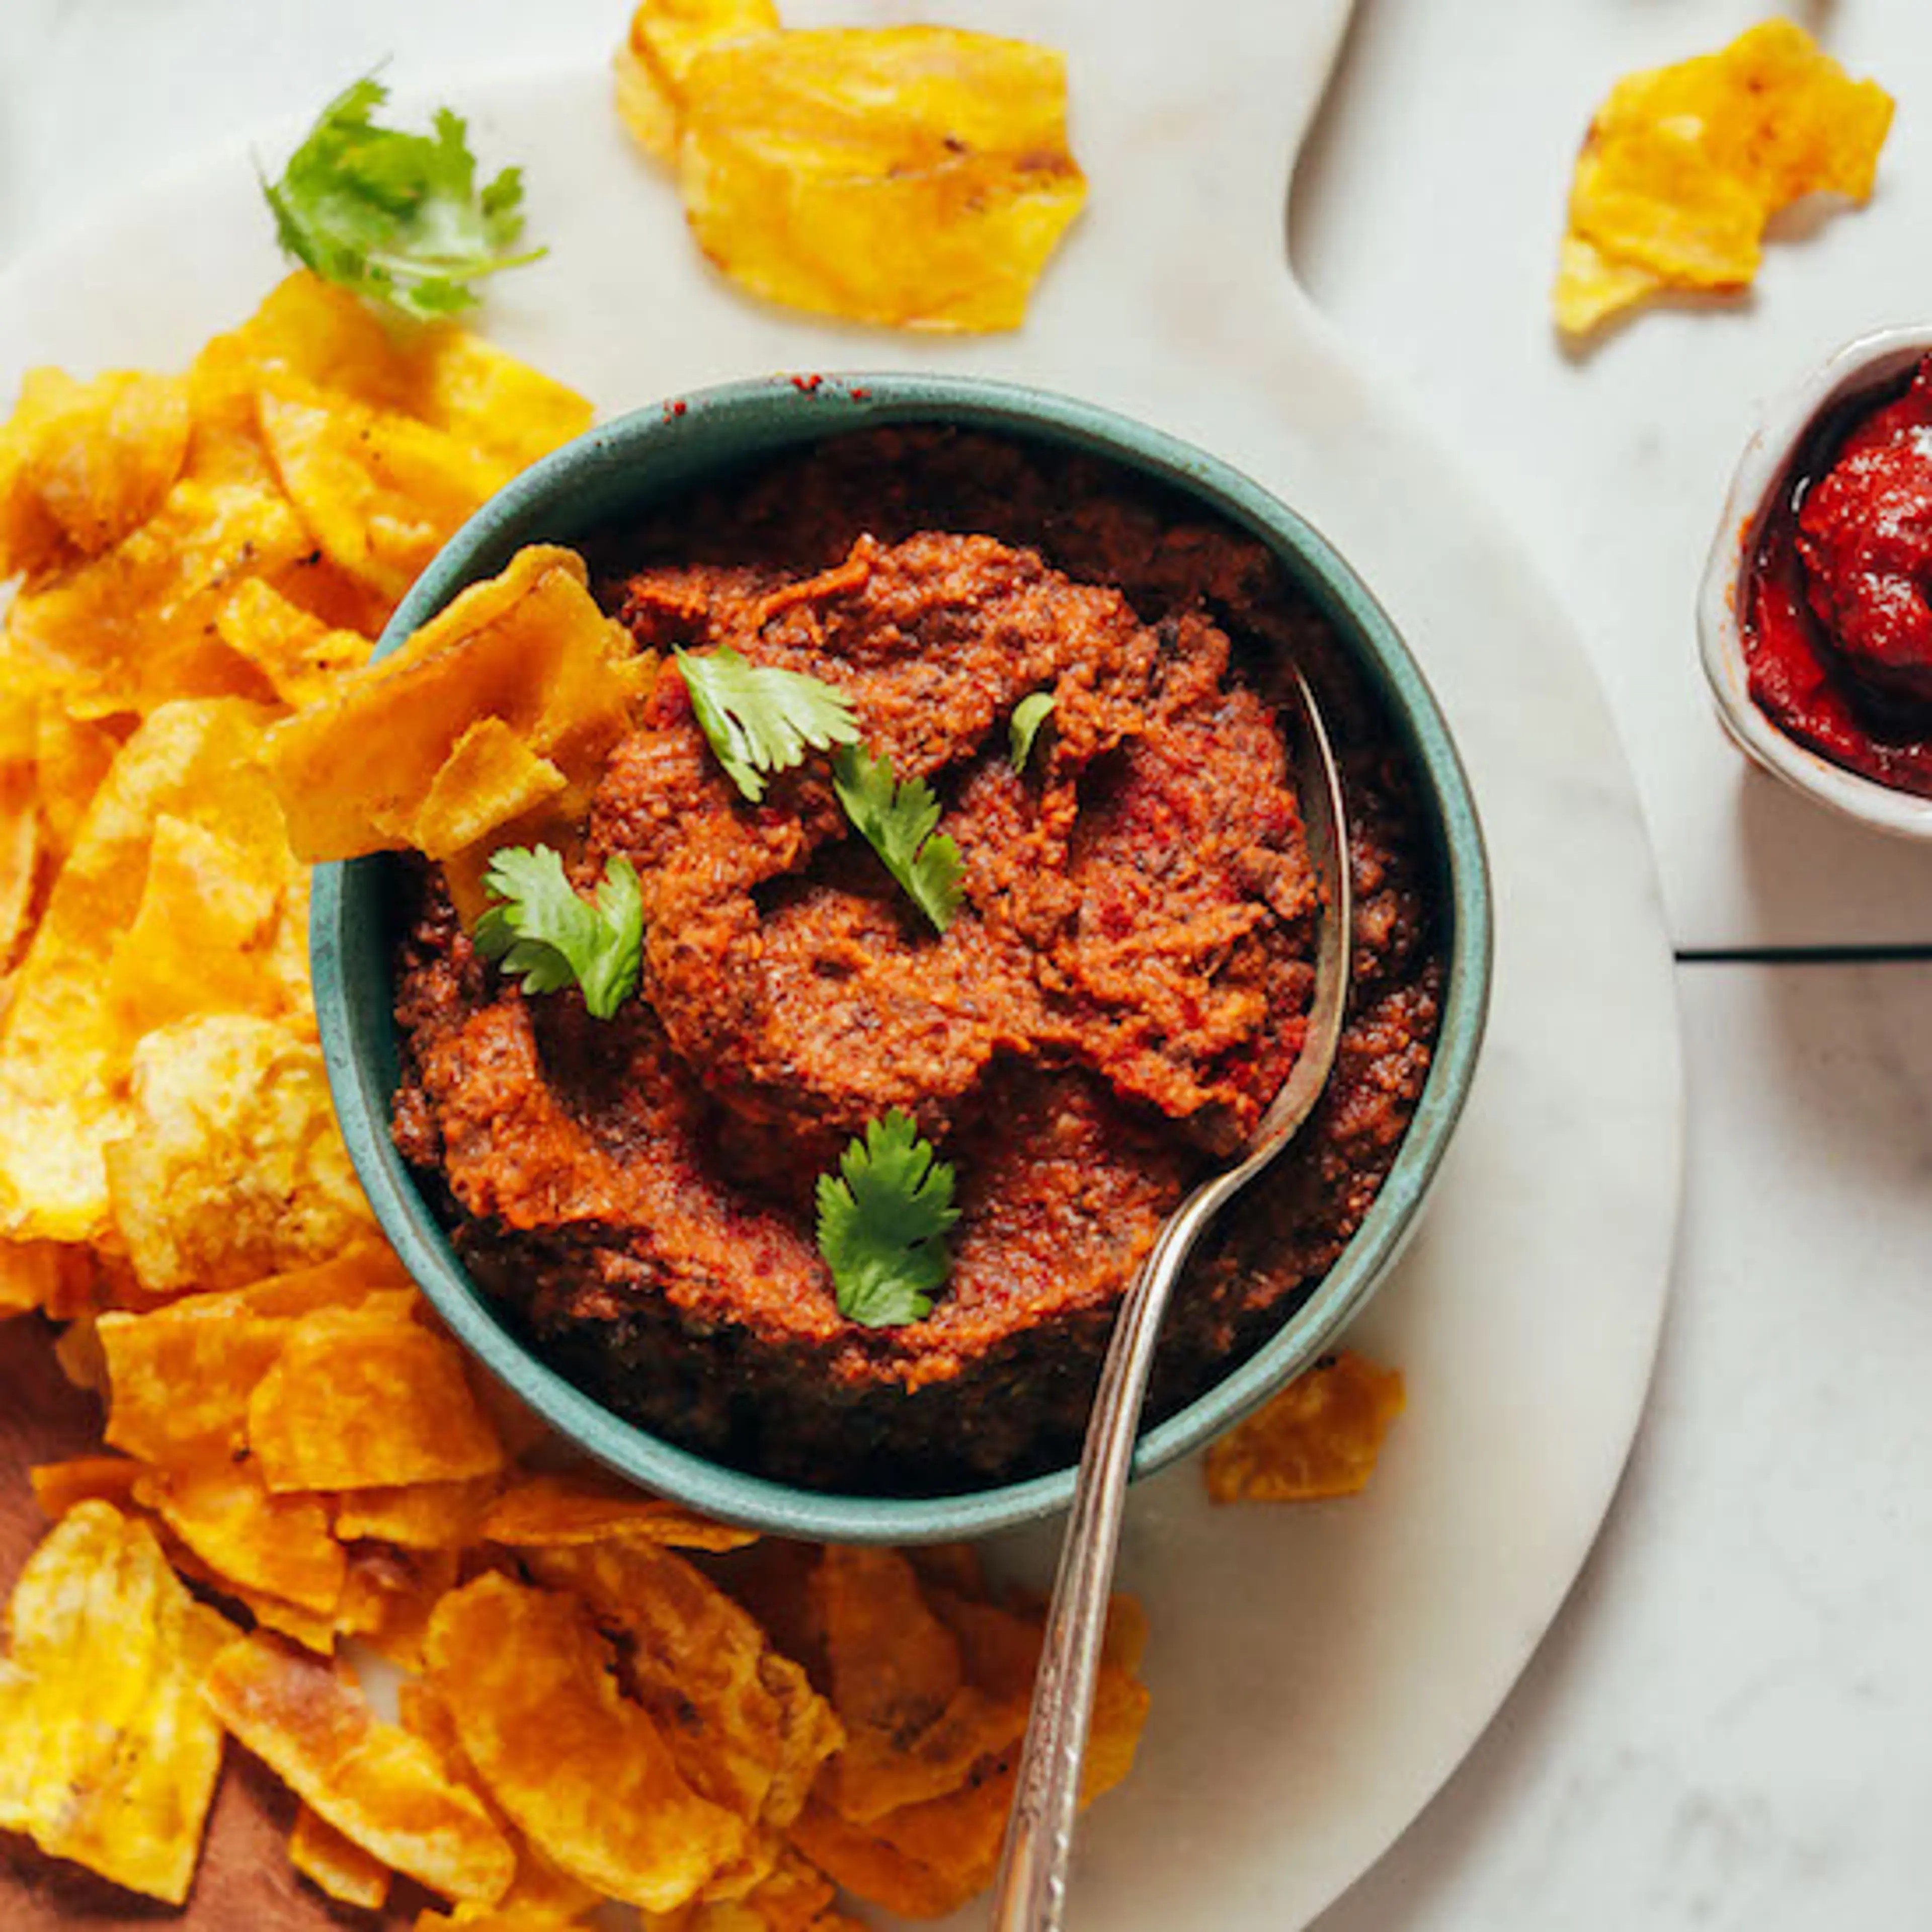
[1118, 998]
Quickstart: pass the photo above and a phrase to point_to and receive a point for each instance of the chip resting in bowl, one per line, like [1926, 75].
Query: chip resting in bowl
[1683, 165]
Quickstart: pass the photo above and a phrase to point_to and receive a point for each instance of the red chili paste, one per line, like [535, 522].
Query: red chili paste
[1838, 633]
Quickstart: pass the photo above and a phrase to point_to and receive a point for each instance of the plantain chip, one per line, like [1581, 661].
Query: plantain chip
[793, 1896]
[745, 1727]
[583, 1771]
[1320, 1437]
[381, 492]
[180, 1376]
[549, 1511]
[433, 1515]
[665, 37]
[232, 1167]
[59, 1487]
[1684, 165]
[529, 649]
[83, 464]
[365, 1398]
[299, 653]
[385, 1790]
[336, 1865]
[107, 1756]
[65, 1051]
[389, 1597]
[253, 1543]
[914, 176]
[539, 1886]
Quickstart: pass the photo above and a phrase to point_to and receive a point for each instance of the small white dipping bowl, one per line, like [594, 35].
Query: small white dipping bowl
[1761, 483]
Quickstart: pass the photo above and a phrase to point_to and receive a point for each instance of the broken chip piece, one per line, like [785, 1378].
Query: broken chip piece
[110, 1757]
[384, 1790]
[583, 1771]
[1684, 165]
[1320, 1437]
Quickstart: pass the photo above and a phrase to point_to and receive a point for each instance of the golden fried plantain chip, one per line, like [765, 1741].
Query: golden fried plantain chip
[442, 375]
[340, 1867]
[494, 1918]
[107, 1755]
[72, 758]
[251, 1541]
[915, 176]
[366, 1397]
[64, 1051]
[895, 1666]
[81, 464]
[33, 1274]
[136, 626]
[203, 937]
[389, 1596]
[381, 492]
[529, 648]
[1320, 1437]
[417, 1516]
[856, 1858]
[59, 1487]
[539, 1886]
[793, 1896]
[232, 1167]
[927, 1859]
[181, 1375]
[665, 37]
[582, 1771]
[549, 1511]
[917, 1728]
[385, 1790]
[490, 778]
[466, 386]
[300, 654]
[1684, 165]
[745, 1727]
[22, 842]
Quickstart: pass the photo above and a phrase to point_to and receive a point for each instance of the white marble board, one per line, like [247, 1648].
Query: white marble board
[1317, 1673]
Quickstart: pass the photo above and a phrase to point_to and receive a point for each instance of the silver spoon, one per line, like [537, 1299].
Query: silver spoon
[1030, 1893]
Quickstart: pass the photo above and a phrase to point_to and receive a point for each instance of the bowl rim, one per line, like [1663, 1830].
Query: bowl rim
[1758, 484]
[785, 412]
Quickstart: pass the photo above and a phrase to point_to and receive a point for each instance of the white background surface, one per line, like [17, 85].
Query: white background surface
[1729, 1727]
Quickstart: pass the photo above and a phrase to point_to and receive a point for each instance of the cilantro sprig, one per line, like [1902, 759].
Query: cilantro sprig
[396, 217]
[899, 820]
[759, 719]
[1023, 728]
[545, 930]
[882, 1221]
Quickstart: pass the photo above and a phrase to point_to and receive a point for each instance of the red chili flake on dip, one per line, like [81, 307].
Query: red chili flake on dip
[1838, 632]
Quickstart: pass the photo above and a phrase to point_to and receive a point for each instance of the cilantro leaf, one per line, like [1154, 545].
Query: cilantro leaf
[898, 819]
[760, 719]
[396, 217]
[882, 1221]
[548, 932]
[1029, 715]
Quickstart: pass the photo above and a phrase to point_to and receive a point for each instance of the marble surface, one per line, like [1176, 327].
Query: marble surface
[1743, 1630]
[1730, 1729]
[1423, 222]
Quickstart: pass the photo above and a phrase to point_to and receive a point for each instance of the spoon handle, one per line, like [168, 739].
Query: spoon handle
[1030, 1894]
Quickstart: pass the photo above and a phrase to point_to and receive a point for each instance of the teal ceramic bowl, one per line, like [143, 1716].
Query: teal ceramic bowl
[613, 472]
